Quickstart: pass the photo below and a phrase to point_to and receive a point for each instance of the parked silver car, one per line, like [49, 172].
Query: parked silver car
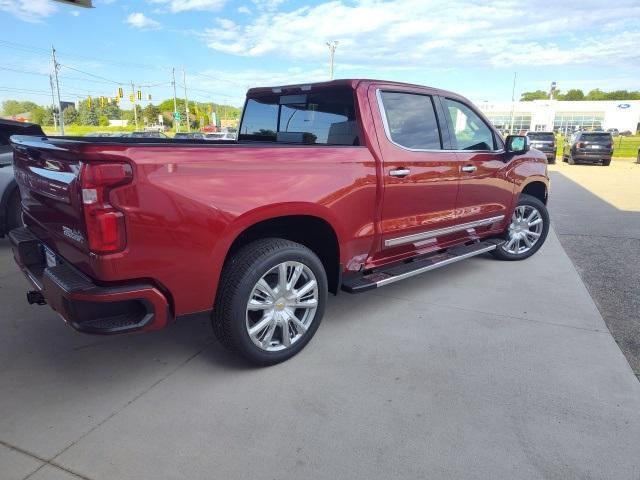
[10, 208]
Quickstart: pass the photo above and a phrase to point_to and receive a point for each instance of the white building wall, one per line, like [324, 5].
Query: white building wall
[620, 114]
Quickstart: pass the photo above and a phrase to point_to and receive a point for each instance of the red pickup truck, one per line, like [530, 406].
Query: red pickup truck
[346, 185]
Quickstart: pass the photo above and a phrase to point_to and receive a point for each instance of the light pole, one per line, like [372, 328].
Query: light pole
[332, 52]
[513, 102]
[56, 66]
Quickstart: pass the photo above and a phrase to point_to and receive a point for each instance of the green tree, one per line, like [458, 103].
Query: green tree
[38, 114]
[103, 121]
[573, 95]
[47, 118]
[70, 115]
[87, 115]
[596, 94]
[529, 96]
[15, 107]
[150, 113]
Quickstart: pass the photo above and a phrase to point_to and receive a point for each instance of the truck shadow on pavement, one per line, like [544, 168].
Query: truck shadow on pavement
[603, 243]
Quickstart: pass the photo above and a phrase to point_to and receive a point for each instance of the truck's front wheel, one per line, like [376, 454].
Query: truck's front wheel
[527, 231]
[271, 300]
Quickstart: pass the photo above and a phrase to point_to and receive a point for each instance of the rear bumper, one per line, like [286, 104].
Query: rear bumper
[87, 307]
[593, 156]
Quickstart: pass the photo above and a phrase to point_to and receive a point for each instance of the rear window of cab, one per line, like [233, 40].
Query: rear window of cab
[315, 118]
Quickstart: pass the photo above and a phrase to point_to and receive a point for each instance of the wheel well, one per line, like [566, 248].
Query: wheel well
[312, 232]
[538, 190]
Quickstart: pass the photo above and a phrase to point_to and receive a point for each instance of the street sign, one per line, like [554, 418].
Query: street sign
[176, 116]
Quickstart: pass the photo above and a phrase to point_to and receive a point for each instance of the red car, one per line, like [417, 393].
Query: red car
[347, 185]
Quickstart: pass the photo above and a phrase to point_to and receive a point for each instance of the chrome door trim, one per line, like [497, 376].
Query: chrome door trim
[429, 234]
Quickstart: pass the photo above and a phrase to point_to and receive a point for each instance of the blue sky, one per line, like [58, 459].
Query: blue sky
[225, 46]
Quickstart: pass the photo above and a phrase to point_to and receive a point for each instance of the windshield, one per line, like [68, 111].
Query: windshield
[544, 137]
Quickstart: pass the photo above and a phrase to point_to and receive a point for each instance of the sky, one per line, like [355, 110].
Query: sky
[468, 46]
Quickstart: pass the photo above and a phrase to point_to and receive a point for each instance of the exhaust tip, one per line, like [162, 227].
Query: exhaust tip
[35, 297]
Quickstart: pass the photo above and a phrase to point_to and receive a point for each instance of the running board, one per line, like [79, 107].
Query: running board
[399, 271]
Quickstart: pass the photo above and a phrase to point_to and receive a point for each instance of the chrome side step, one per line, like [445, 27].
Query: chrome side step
[400, 271]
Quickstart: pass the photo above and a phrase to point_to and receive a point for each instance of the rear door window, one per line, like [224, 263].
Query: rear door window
[319, 118]
[469, 131]
[410, 120]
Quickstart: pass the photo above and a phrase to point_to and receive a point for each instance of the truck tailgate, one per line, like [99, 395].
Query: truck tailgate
[48, 174]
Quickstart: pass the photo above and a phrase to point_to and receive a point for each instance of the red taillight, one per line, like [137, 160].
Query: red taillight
[580, 145]
[105, 224]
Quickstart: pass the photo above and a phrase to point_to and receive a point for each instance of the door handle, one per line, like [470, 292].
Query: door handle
[399, 172]
[469, 168]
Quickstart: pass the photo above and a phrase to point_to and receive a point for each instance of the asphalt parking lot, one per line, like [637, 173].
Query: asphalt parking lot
[596, 214]
[484, 369]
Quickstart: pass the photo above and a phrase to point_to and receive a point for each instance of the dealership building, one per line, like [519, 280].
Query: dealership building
[563, 116]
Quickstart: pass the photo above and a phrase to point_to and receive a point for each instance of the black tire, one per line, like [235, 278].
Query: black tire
[14, 211]
[525, 199]
[606, 163]
[239, 276]
[564, 159]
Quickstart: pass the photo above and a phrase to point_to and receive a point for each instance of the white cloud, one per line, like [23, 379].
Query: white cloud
[244, 10]
[33, 11]
[427, 34]
[235, 83]
[139, 20]
[176, 6]
[74, 13]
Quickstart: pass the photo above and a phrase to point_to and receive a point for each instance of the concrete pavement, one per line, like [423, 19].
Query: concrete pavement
[483, 369]
[596, 212]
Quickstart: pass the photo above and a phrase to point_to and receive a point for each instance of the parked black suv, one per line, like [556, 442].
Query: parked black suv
[588, 147]
[545, 142]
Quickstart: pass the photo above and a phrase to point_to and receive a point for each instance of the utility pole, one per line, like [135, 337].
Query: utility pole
[186, 102]
[135, 109]
[513, 102]
[53, 103]
[55, 72]
[332, 52]
[176, 126]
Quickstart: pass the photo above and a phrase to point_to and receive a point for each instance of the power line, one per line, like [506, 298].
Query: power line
[92, 75]
[24, 71]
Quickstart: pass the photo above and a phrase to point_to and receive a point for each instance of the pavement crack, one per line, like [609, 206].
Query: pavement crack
[615, 237]
[44, 461]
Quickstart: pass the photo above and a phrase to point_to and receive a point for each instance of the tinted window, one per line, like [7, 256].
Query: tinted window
[469, 130]
[261, 118]
[596, 137]
[321, 118]
[411, 119]
[543, 137]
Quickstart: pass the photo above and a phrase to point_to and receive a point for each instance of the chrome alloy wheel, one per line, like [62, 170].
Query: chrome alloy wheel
[282, 306]
[524, 231]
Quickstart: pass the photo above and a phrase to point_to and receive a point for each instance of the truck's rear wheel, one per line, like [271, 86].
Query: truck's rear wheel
[271, 300]
[527, 231]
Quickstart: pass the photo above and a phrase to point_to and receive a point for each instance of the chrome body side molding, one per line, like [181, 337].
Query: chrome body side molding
[429, 234]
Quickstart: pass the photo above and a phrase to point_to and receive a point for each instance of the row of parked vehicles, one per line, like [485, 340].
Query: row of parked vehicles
[224, 135]
[579, 147]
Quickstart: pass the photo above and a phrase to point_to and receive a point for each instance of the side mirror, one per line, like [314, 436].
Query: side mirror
[517, 144]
